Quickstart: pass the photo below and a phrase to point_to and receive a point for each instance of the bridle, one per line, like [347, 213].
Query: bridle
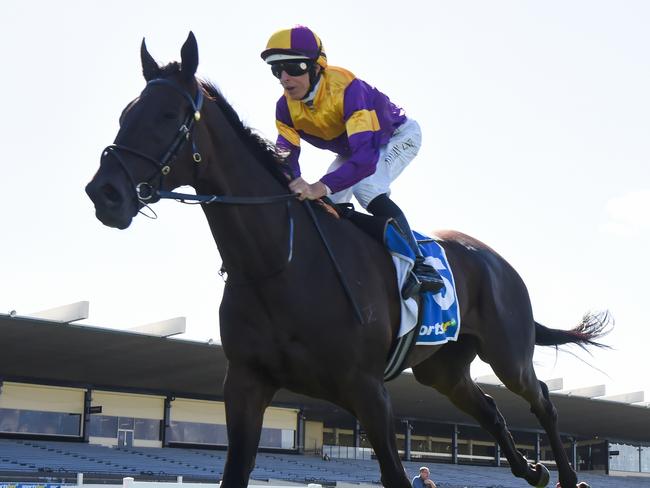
[146, 192]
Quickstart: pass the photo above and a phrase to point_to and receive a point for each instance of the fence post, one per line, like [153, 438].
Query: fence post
[127, 482]
[80, 479]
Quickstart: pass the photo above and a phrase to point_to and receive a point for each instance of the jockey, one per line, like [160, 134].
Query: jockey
[332, 109]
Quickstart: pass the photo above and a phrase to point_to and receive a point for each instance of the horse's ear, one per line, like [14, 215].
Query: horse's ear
[189, 57]
[150, 68]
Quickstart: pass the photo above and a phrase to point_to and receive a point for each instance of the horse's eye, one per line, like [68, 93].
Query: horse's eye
[170, 115]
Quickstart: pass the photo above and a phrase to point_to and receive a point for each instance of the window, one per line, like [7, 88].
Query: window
[346, 439]
[107, 426]
[198, 433]
[126, 423]
[36, 422]
[278, 438]
[329, 438]
[147, 429]
[216, 434]
[627, 458]
[103, 426]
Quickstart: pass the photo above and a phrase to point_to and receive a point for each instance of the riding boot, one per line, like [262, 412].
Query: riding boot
[372, 225]
[423, 276]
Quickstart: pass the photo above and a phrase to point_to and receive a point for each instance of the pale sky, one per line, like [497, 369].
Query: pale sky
[535, 118]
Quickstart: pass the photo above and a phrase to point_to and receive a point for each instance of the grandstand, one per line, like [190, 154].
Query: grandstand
[61, 461]
[158, 413]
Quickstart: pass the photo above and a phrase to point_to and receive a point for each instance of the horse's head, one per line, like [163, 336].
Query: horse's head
[155, 146]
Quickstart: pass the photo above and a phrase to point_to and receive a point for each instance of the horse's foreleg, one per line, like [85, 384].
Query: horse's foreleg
[371, 405]
[246, 397]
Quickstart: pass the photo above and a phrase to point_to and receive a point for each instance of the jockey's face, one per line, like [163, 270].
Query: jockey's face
[296, 87]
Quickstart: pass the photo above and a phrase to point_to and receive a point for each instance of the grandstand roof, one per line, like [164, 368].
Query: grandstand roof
[47, 352]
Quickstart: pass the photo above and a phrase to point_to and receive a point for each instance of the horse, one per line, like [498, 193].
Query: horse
[286, 320]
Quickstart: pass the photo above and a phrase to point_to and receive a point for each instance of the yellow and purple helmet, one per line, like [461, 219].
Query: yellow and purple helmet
[300, 42]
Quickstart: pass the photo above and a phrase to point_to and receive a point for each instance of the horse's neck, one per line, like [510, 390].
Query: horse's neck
[252, 239]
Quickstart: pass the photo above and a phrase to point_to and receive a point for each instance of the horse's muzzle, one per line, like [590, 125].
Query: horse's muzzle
[111, 207]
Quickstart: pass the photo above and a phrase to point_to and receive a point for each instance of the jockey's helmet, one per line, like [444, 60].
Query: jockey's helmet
[296, 43]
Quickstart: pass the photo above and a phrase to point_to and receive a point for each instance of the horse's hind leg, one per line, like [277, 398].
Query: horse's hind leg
[516, 371]
[370, 403]
[449, 372]
[524, 382]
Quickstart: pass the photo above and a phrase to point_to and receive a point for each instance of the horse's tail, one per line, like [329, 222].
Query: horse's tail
[591, 327]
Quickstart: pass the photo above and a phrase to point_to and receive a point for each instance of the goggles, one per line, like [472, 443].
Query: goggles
[292, 68]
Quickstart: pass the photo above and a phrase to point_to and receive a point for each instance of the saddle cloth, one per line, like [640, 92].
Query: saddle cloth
[440, 314]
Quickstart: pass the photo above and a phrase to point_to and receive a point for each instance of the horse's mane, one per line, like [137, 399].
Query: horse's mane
[262, 149]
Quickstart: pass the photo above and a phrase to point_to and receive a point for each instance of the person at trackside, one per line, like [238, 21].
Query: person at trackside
[331, 108]
[423, 480]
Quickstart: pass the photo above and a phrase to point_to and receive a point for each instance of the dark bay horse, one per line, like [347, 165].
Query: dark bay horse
[285, 320]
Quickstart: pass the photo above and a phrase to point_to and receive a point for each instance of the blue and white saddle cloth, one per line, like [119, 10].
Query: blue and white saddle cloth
[440, 314]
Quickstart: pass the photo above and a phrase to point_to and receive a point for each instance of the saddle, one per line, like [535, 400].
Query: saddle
[430, 317]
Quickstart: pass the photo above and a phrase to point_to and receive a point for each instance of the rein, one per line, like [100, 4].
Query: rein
[146, 192]
[225, 199]
[235, 200]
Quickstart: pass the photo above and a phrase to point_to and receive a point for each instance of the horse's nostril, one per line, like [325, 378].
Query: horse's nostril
[111, 194]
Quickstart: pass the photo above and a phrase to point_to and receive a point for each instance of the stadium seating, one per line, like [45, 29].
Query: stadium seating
[47, 460]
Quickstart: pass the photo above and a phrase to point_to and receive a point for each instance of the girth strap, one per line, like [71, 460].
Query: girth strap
[399, 353]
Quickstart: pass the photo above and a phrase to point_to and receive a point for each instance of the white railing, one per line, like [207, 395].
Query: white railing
[131, 483]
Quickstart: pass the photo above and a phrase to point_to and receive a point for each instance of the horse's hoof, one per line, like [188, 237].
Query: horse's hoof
[543, 476]
[582, 484]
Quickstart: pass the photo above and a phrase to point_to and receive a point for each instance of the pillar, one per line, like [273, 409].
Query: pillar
[85, 428]
[300, 432]
[454, 444]
[166, 423]
[407, 440]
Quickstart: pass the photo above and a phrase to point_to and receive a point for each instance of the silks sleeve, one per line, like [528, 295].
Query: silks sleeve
[361, 125]
[288, 140]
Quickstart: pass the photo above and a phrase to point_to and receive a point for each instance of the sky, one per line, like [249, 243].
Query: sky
[535, 119]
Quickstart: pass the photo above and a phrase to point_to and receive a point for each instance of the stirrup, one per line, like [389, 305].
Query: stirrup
[422, 278]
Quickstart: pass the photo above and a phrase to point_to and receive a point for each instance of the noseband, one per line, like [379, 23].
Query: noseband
[144, 190]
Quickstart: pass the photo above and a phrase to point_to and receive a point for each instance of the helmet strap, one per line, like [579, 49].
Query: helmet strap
[314, 76]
